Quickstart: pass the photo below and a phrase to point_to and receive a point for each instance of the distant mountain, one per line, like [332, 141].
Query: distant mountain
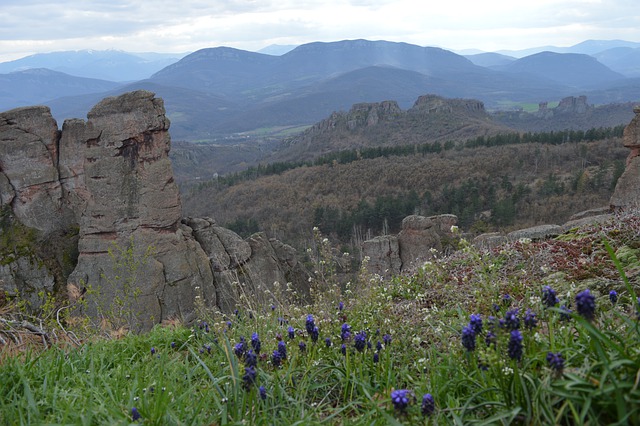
[38, 86]
[490, 59]
[277, 49]
[113, 65]
[625, 60]
[570, 69]
[588, 47]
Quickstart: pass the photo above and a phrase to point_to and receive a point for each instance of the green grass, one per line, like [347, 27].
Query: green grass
[193, 375]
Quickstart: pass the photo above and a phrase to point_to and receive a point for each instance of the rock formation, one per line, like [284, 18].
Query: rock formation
[627, 192]
[108, 183]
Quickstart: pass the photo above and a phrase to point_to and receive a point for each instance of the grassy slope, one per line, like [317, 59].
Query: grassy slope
[193, 376]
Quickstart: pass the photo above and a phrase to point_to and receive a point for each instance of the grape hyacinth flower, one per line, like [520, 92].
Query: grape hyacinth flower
[378, 346]
[468, 338]
[613, 297]
[506, 300]
[249, 377]
[153, 350]
[255, 342]
[360, 341]
[586, 304]
[310, 323]
[549, 298]
[282, 349]
[401, 399]
[490, 339]
[276, 359]
[239, 349]
[565, 313]
[515, 345]
[173, 345]
[292, 332]
[386, 339]
[376, 358]
[556, 362]
[340, 306]
[476, 323]
[511, 320]
[428, 405]
[530, 320]
[135, 414]
[263, 393]
[315, 333]
[345, 332]
[250, 358]
[343, 349]
[302, 346]
[327, 342]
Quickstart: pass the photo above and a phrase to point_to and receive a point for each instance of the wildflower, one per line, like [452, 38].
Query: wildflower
[249, 377]
[506, 300]
[401, 399]
[327, 342]
[428, 404]
[292, 332]
[276, 359]
[310, 323]
[613, 297]
[530, 320]
[340, 306]
[345, 331]
[556, 362]
[343, 349]
[302, 346]
[273, 307]
[376, 358]
[565, 313]
[229, 324]
[239, 348]
[490, 338]
[207, 347]
[250, 358]
[468, 338]
[153, 350]
[386, 339]
[315, 333]
[549, 297]
[282, 348]
[255, 342]
[135, 415]
[586, 304]
[378, 346]
[173, 345]
[476, 323]
[496, 307]
[360, 341]
[515, 345]
[511, 320]
[263, 393]
[237, 313]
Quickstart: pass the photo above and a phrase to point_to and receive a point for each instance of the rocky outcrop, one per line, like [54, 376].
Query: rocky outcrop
[110, 182]
[359, 116]
[419, 240]
[433, 104]
[627, 191]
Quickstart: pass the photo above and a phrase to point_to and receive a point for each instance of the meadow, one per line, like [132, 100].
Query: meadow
[530, 332]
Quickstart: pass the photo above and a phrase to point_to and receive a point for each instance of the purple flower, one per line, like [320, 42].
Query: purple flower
[586, 304]
[511, 320]
[263, 393]
[315, 333]
[476, 323]
[613, 297]
[386, 339]
[378, 346]
[302, 346]
[282, 348]
[292, 332]
[276, 359]
[549, 298]
[249, 377]
[207, 347]
[376, 358]
[343, 349]
[273, 307]
[515, 345]
[250, 358]
[135, 415]
[173, 345]
[153, 350]
[345, 331]
[506, 300]
[340, 306]
[239, 349]
[565, 313]
[490, 339]
[401, 398]
[530, 320]
[468, 338]
[229, 324]
[310, 323]
[255, 342]
[360, 341]
[327, 342]
[556, 362]
[428, 405]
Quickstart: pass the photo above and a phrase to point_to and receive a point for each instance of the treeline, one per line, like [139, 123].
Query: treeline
[351, 155]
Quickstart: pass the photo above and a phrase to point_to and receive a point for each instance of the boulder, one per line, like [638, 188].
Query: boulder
[384, 255]
[540, 232]
[627, 192]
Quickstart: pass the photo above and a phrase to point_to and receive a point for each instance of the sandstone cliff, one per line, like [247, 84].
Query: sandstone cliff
[104, 211]
[627, 192]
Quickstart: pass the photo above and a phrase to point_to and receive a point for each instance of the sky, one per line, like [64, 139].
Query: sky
[181, 26]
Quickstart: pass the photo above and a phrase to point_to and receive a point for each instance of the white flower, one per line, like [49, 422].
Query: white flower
[454, 229]
[507, 371]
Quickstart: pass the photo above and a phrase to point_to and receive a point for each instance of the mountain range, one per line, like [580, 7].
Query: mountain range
[214, 92]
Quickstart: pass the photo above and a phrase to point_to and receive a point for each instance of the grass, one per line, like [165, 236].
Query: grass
[404, 334]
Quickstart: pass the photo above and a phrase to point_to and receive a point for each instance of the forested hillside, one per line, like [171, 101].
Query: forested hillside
[491, 183]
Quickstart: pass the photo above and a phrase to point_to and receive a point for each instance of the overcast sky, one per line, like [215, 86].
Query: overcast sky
[34, 26]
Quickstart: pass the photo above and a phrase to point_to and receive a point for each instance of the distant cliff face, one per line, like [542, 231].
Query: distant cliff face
[627, 192]
[109, 183]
